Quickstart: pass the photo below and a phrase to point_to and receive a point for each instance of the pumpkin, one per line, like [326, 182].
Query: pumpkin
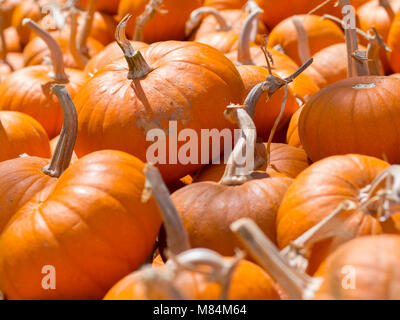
[339, 178]
[228, 274]
[292, 136]
[7, 9]
[225, 4]
[21, 134]
[218, 21]
[16, 91]
[320, 34]
[345, 275]
[208, 208]
[106, 6]
[383, 14]
[26, 9]
[104, 218]
[12, 40]
[170, 81]
[394, 44]
[168, 17]
[284, 159]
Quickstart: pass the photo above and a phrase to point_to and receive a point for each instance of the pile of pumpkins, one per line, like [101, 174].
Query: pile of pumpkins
[314, 87]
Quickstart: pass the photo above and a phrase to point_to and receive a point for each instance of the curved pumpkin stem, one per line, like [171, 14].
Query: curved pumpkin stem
[177, 237]
[79, 58]
[302, 40]
[250, 7]
[197, 16]
[86, 27]
[138, 67]
[387, 6]
[66, 143]
[244, 56]
[55, 50]
[149, 12]
[295, 253]
[297, 284]
[220, 270]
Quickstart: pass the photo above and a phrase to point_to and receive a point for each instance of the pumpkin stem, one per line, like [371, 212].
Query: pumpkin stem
[79, 58]
[295, 253]
[220, 269]
[238, 170]
[250, 7]
[387, 6]
[177, 237]
[375, 42]
[59, 74]
[302, 40]
[197, 16]
[244, 56]
[385, 197]
[138, 67]
[66, 143]
[297, 284]
[149, 12]
[86, 27]
[356, 66]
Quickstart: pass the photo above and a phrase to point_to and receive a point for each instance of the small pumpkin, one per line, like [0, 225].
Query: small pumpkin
[153, 91]
[168, 17]
[104, 218]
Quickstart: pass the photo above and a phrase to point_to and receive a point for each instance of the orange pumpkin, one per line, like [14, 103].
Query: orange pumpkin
[7, 9]
[292, 136]
[168, 21]
[21, 134]
[12, 40]
[107, 6]
[394, 44]
[320, 34]
[16, 91]
[170, 281]
[153, 93]
[379, 14]
[108, 227]
[225, 4]
[338, 178]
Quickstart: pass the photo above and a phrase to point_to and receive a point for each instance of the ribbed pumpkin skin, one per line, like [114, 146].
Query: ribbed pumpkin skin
[164, 26]
[235, 18]
[225, 4]
[375, 260]
[185, 77]
[36, 50]
[285, 159]
[394, 43]
[21, 179]
[343, 119]
[28, 91]
[371, 14]
[319, 190]
[267, 110]
[320, 33]
[21, 134]
[208, 209]
[249, 282]
[92, 227]
[109, 55]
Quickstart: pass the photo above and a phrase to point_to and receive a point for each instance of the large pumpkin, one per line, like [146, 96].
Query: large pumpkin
[173, 82]
[28, 90]
[346, 112]
[338, 179]
[168, 22]
[104, 218]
